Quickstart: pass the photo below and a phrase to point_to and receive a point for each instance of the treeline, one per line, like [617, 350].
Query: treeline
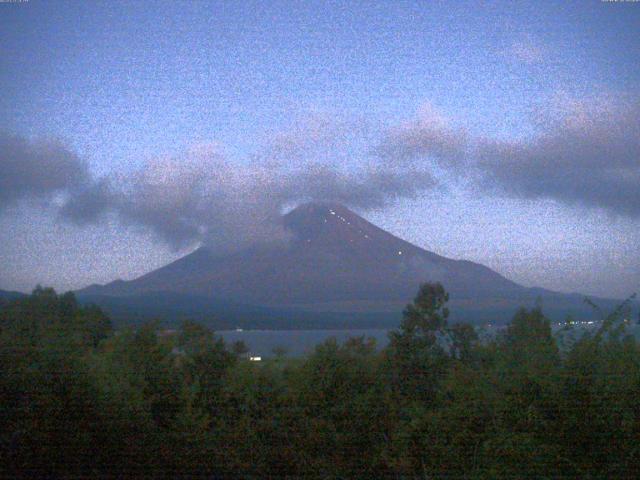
[80, 400]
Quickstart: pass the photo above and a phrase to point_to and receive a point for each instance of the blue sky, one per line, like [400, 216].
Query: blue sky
[121, 85]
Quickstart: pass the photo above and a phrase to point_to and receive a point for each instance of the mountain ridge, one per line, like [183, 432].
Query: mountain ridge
[329, 245]
[334, 261]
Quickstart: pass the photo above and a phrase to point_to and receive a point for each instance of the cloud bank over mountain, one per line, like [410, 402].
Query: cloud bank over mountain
[589, 156]
[202, 195]
[584, 152]
[37, 169]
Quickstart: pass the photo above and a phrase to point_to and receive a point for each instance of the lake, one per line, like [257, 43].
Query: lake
[300, 342]
[296, 342]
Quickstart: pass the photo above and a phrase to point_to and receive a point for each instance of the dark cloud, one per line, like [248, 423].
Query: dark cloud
[584, 152]
[589, 156]
[365, 189]
[37, 169]
[428, 136]
[201, 196]
[89, 202]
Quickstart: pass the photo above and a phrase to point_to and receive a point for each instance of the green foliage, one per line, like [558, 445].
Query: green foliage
[417, 357]
[46, 397]
[340, 394]
[78, 400]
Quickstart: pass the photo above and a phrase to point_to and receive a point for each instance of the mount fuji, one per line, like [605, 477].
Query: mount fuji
[334, 265]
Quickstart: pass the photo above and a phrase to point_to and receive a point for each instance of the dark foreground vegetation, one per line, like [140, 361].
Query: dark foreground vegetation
[80, 400]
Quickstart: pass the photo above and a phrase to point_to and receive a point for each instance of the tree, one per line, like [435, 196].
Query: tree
[279, 351]
[239, 348]
[417, 358]
[49, 416]
[426, 316]
[342, 397]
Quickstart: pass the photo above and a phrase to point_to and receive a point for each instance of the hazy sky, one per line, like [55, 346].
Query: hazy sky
[507, 133]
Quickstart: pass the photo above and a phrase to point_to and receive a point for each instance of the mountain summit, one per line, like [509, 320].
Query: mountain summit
[334, 261]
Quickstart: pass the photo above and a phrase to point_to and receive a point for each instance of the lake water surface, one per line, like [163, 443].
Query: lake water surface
[300, 342]
[296, 342]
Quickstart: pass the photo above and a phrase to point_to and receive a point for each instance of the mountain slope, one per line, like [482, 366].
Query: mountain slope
[10, 295]
[335, 261]
[333, 256]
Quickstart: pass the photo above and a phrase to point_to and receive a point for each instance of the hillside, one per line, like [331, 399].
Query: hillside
[337, 262]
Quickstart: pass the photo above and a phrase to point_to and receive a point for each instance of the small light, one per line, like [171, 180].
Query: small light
[399, 252]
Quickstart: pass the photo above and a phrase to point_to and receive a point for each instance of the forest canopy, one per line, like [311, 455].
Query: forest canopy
[80, 399]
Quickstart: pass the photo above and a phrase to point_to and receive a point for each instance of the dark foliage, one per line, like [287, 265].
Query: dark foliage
[79, 400]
